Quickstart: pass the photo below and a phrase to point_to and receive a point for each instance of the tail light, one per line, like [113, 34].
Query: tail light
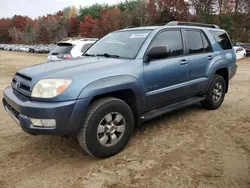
[67, 56]
[248, 49]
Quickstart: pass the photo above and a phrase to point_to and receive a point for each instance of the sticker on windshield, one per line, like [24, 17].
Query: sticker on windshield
[141, 35]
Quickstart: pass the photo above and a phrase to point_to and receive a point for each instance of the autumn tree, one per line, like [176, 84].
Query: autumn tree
[87, 25]
[5, 25]
[73, 27]
[110, 20]
[93, 10]
[99, 19]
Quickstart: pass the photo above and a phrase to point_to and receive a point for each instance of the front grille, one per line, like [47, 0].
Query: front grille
[22, 83]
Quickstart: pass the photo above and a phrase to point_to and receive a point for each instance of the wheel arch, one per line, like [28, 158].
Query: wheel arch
[126, 88]
[219, 67]
[225, 74]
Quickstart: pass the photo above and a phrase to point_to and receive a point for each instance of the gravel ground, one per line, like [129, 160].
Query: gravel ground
[192, 147]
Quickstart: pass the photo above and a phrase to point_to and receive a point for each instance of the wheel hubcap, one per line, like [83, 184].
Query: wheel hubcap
[217, 92]
[111, 129]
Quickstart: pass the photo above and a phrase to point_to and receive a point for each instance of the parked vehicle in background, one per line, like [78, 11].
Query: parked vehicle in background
[236, 43]
[128, 77]
[247, 48]
[240, 52]
[70, 49]
[41, 48]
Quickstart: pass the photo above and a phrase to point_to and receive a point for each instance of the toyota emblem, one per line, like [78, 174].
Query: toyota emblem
[17, 84]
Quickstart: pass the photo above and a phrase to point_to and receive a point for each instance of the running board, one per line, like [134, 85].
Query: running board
[166, 109]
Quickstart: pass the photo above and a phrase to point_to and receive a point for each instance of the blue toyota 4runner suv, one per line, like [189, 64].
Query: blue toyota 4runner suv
[127, 77]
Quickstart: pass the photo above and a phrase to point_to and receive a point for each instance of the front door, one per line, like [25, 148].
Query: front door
[165, 77]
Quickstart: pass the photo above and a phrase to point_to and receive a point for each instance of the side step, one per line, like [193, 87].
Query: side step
[166, 109]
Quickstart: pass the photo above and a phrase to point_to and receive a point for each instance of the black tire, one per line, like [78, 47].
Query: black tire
[88, 137]
[209, 103]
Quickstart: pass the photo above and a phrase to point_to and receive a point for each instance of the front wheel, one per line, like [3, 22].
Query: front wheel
[107, 127]
[215, 94]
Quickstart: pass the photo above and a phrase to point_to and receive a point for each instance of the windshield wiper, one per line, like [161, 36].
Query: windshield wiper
[90, 55]
[108, 55]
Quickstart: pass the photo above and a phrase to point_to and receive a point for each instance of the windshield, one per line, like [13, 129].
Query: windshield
[123, 44]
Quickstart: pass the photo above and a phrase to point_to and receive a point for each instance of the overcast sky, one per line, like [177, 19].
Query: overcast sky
[35, 8]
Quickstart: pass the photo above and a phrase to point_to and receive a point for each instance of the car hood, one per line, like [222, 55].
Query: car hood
[70, 68]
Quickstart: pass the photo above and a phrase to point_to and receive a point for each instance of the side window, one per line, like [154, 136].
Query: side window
[86, 47]
[206, 44]
[222, 38]
[171, 39]
[195, 43]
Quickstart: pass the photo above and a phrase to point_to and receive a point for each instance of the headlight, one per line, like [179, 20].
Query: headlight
[49, 88]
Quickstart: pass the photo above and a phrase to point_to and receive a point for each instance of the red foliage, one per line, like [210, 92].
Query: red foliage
[5, 25]
[151, 8]
[87, 25]
[43, 35]
[20, 22]
[59, 13]
[72, 28]
[110, 20]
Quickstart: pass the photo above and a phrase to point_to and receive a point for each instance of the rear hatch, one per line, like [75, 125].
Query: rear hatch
[61, 51]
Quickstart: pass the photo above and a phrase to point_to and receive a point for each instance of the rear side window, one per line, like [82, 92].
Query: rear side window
[195, 43]
[171, 39]
[62, 48]
[86, 47]
[222, 38]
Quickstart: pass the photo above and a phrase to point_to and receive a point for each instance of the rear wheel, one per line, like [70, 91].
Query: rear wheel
[107, 127]
[215, 94]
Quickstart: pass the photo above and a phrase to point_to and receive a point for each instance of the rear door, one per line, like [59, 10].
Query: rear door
[200, 53]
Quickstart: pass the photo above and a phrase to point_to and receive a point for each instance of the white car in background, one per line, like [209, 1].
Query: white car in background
[70, 49]
[240, 52]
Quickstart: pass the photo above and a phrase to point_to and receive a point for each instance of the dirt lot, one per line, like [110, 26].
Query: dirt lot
[189, 148]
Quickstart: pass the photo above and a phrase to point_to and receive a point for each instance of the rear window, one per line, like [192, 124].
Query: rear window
[62, 48]
[222, 38]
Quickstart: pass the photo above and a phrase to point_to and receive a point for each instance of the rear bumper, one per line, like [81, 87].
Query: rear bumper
[68, 115]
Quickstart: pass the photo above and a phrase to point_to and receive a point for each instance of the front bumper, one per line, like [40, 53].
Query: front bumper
[68, 115]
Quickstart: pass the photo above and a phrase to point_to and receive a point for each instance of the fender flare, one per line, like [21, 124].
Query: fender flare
[220, 64]
[113, 84]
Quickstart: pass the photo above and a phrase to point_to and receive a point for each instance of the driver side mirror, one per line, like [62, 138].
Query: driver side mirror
[158, 52]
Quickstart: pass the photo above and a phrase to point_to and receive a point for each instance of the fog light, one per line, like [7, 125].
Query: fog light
[43, 122]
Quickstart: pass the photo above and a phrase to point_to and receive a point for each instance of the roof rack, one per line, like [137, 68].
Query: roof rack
[131, 26]
[175, 23]
[88, 39]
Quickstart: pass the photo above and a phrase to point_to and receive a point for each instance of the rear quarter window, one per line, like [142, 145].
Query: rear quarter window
[222, 39]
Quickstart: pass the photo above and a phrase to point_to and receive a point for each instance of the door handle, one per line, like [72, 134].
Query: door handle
[210, 57]
[184, 62]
